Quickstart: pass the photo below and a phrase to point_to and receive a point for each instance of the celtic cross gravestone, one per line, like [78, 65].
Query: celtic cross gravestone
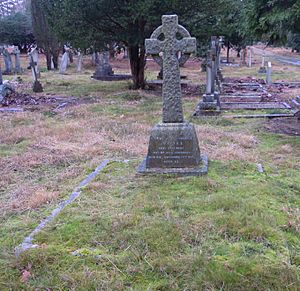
[173, 146]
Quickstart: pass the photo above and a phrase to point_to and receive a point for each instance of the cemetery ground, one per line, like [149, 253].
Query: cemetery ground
[235, 228]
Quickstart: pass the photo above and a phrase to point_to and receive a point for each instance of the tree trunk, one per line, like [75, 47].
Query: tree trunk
[55, 59]
[48, 60]
[228, 50]
[137, 65]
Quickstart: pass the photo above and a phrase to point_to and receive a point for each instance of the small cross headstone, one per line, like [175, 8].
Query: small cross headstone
[173, 146]
[37, 86]
[35, 57]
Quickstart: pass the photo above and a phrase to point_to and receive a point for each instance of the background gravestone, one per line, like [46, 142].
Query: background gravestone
[64, 62]
[18, 68]
[173, 146]
[7, 61]
[35, 57]
[37, 86]
[104, 70]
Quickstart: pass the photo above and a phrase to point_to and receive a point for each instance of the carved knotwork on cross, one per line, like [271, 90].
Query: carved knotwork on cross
[169, 39]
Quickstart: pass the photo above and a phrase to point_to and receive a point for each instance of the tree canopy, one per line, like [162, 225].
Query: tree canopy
[16, 29]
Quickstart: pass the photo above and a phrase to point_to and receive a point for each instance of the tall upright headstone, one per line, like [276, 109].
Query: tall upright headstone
[79, 62]
[249, 57]
[269, 72]
[16, 53]
[64, 62]
[210, 104]
[173, 146]
[7, 61]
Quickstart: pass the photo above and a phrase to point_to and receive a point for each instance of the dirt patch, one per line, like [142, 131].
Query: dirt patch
[30, 102]
[288, 126]
[244, 80]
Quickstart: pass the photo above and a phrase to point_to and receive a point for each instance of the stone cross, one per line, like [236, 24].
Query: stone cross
[165, 39]
[33, 68]
[34, 55]
[37, 86]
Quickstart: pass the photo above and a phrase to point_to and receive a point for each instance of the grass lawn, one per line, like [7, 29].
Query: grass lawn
[234, 229]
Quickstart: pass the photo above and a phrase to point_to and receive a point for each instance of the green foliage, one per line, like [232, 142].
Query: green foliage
[272, 20]
[294, 41]
[16, 29]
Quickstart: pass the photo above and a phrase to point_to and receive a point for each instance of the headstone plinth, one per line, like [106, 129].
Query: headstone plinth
[173, 149]
[173, 146]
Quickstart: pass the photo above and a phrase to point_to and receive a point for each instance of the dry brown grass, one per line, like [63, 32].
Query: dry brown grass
[32, 198]
[227, 146]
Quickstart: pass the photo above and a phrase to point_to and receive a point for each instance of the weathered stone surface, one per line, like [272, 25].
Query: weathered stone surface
[170, 45]
[173, 145]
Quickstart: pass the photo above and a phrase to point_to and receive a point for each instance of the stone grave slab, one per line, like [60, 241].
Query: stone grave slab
[254, 105]
[240, 98]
